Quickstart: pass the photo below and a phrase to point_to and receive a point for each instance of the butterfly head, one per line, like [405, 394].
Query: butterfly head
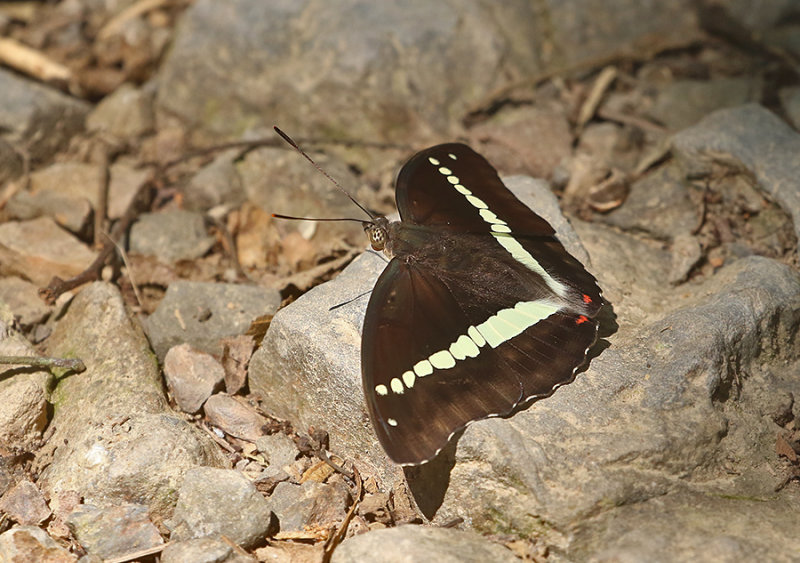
[377, 233]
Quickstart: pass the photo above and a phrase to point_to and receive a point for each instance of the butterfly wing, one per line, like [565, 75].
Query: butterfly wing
[432, 365]
[411, 316]
[481, 308]
[453, 188]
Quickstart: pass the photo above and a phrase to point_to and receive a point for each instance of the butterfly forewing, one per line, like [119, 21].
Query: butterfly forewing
[480, 309]
[427, 193]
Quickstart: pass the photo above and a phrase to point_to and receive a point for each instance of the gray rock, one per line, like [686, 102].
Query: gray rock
[74, 180]
[70, 212]
[201, 313]
[309, 504]
[5, 478]
[125, 113]
[425, 62]
[171, 235]
[209, 549]
[652, 408]
[39, 249]
[686, 253]
[37, 117]
[281, 181]
[659, 204]
[279, 451]
[25, 504]
[111, 532]
[692, 527]
[191, 376]
[540, 134]
[290, 552]
[31, 543]
[311, 351]
[10, 162]
[216, 501]
[23, 392]
[790, 100]
[23, 407]
[407, 544]
[234, 417]
[683, 103]
[23, 300]
[114, 437]
[216, 183]
[125, 182]
[752, 138]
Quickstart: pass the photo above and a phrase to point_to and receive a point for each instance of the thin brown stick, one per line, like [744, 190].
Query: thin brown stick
[73, 364]
[601, 85]
[222, 443]
[636, 121]
[102, 196]
[336, 538]
[36, 64]
[322, 454]
[485, 105]
[57, 286]
[116, 23]
[138, 554]
[124, 256]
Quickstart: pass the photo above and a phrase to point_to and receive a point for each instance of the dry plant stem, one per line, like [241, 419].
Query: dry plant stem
[478, 111]
[74, 364]
[57, 286]
[323, 456]
[102, 197]
[233, 545]
[32, 62]
[138, 554]
[124, 256]
[115, 24]
[599, 88]
[625, 119]
[222, 443]
[336, 538]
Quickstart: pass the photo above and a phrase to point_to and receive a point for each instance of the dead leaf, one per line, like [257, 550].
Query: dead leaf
[236, 352]
[784, 449]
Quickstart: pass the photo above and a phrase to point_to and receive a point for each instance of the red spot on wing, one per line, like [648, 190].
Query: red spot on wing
[581, 319]
[586, 299]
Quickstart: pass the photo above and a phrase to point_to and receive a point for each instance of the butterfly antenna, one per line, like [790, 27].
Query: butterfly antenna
[295, 218]
[357, 297]
[294, 145]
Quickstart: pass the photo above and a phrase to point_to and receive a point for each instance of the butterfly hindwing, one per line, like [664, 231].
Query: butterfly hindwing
[415, 407]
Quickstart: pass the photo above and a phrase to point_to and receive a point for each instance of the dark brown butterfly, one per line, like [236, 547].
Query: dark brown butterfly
[480, 308]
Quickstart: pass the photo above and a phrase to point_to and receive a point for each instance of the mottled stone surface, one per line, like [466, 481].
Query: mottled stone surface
[407, 544]
[216, 501]
[115, 438]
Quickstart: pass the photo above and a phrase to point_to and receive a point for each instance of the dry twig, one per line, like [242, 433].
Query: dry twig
[601, 84]
[138, 554]
[336, 538]
[36, 64]
[72, 364]
[57, 286]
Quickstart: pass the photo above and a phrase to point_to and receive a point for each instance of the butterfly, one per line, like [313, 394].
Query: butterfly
[479, 310]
